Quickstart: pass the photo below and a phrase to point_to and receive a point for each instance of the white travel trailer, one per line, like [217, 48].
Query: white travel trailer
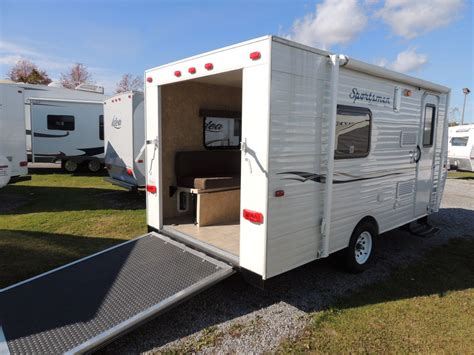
[12, 132]
[333, 152]
[124, 133]
[461, 147]
[61, 124]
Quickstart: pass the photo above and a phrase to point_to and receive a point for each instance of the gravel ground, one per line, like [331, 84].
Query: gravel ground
[236, 317]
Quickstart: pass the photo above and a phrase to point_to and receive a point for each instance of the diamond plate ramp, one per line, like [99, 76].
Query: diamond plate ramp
[86, 303]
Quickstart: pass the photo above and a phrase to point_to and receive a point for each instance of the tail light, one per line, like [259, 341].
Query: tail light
[151, 189]
[209, 66]
[252, 216]
[129, 171]
[23, 163]
[140, 161]
[192, 70]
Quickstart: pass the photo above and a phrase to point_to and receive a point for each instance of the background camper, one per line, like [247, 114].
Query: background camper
[461, 147]
[61, 124]
[12, 131]
[124, 128]
[332, 153]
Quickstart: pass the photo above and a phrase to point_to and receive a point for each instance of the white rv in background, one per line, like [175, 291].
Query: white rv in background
[461, 147]
[12, 132]
[62, 125]
[124, 132]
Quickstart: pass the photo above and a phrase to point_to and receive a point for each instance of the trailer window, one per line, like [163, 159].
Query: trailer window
[60, 122]
[222, 129]
[459, 141]
[353, 126]
[430, 114]
[101, 127]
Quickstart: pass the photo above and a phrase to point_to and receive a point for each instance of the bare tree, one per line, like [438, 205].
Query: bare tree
[128, 83]
[78, 74]
[27, 72]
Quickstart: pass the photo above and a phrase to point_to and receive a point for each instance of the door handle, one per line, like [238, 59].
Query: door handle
[415, 155]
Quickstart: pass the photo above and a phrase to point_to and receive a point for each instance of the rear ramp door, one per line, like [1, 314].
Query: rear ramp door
[77, 307]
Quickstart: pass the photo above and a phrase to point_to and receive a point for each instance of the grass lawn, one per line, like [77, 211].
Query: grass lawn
[455, 174]
[57, 218]
[427, 307]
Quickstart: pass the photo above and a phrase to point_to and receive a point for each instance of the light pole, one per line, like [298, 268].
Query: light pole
[466, 92]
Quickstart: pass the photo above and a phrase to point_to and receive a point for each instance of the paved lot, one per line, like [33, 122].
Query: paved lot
[249, 320]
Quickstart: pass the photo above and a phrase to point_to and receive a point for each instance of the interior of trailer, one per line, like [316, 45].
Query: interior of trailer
[201, 125]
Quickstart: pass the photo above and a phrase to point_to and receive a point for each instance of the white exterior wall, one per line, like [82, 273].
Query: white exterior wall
[12, 128]
[298, 140]
[299, 112]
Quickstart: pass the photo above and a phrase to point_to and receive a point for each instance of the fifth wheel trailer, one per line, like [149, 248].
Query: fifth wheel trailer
[61, 124]
[12, 133]
[461, 147]
[332, 153]
[124, 132]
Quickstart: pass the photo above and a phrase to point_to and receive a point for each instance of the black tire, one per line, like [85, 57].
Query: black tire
[94, 165]
[356, 258]
[69, 166]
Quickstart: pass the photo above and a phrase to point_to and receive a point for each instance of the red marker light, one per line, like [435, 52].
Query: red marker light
[149, 79]
[252, 216]
[255, 55]
[151, 188]
[177, 73]
[129, 171]
[23, 163]
[192, 70]
[209, 66]
[279, 193]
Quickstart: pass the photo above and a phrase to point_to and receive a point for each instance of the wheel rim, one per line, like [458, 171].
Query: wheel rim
[70, 166]
[363, 247]
[94, 166]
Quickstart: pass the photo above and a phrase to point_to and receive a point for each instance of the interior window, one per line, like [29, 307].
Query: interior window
[430, 112]
[459, 141]
[353, 126]
[101, 127]
[60, 122]
[222, 129]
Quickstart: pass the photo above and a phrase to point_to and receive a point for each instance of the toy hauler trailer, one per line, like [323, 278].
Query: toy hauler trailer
[12, 133]
[291, 194]
[124, 131]
[461, 147]
[62, 124]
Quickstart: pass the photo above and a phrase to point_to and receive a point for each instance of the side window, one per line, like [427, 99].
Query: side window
[353, 127]
[101, 127]
[428, 125]
[60, 122]
[459, 141]
[222, 129]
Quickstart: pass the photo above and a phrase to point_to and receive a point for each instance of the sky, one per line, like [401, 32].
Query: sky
[430, 39]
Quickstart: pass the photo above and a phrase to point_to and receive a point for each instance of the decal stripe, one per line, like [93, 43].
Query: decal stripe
[46, 135]
[305, 176]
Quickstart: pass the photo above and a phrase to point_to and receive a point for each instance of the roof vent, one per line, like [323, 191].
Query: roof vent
[90, 88]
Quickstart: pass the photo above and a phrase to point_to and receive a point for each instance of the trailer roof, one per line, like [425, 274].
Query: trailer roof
[351, 64]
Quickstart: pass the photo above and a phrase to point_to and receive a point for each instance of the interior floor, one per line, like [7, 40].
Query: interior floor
[223, 236]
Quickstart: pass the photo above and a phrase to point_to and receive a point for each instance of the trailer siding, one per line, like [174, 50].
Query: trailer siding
[300, 91]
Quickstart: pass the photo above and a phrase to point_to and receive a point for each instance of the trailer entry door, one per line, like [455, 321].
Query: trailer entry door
[425, 154]
[77, 307]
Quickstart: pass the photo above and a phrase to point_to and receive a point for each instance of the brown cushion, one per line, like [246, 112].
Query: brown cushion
[207, 183]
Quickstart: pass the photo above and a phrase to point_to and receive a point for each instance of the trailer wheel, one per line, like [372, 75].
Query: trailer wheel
[94, 165]
[360, 253]
[70, 166]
